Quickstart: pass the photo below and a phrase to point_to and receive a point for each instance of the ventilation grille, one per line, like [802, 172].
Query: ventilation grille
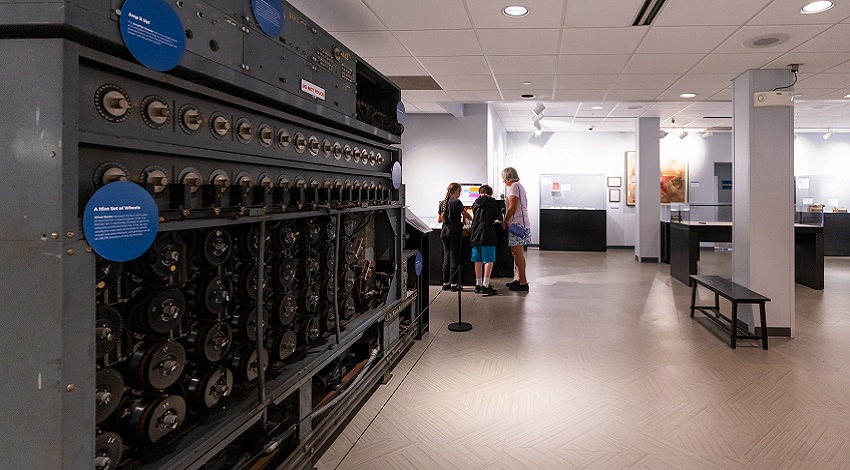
[415, 83]
[648, 11]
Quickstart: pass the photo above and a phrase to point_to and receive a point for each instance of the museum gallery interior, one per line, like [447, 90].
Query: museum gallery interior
[232, 258]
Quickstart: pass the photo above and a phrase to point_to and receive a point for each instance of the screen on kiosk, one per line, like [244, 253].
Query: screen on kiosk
[469, 193]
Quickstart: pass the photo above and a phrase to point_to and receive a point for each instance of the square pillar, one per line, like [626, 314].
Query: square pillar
[647, 195]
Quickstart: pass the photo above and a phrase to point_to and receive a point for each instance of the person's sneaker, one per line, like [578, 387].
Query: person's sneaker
[478, 289]
[513, 283]
[488, 291]
[456, 288]
[446, 287]
[519, 288]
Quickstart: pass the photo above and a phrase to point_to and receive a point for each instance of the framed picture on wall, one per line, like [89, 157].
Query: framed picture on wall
[631, 178]
[613, 195]
[615, 181]
[674, 179]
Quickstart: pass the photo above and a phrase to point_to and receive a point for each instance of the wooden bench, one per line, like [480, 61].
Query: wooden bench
[735, 293]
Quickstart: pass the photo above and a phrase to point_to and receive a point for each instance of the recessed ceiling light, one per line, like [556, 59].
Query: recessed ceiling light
[515, 11]
[526, 83]
[816, 7]
[688, 95]
[596, 107]
[527, 97]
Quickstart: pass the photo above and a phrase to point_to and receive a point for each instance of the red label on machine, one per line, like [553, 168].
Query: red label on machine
[312, 89]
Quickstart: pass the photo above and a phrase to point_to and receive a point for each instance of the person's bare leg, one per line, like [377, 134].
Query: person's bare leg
[478, 269]
[519, 261]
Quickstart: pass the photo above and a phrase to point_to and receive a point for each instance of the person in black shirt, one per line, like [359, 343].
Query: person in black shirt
[452, 215]
[485, 212]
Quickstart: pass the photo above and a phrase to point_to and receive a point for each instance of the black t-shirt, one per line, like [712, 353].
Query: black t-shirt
[454, 215]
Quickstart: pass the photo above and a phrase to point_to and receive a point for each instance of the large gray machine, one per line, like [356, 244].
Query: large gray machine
[273, 293]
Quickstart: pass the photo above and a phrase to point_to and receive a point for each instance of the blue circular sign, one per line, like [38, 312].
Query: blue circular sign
[269, 15]
[396, 175]
[417, 263]
[120, 221]
[153, 33]
[400, 114]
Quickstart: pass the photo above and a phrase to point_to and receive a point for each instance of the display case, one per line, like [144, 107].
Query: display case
[808, 214]
[700, 212]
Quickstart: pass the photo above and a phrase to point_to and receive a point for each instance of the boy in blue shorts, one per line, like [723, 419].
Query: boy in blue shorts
[485, 212]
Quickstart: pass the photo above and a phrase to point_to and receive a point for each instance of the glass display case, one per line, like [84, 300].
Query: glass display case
[808, 214]
[700, 212]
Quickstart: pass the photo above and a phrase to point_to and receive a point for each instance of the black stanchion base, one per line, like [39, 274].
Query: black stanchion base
[460, 326]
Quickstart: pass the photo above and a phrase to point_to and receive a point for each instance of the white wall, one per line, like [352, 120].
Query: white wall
[439, 149]
[815, 156]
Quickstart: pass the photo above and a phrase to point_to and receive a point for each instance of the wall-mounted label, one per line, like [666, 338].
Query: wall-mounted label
[417, 264]
[120, 221]
[726, 184]
[312, 89]
[400, 113]
[396, 175]
[695, 184]
[153, 33]
[269, 16]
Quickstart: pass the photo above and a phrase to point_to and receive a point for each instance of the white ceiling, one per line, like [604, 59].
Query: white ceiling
[583, 53]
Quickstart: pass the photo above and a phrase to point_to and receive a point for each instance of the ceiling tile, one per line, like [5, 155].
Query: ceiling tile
[579, 95]
[662, 63]
[432, 108]
[517, 41]
[574, 64]
[645, 81]
[714, 12]
[419, 16]
[410, 107]
[397, 66]
[632, 95]
[418, 96]
[702, 93]
[723, 95]
[587, 13]
[373, 44]
[601, 40]
[339, 15]
[514, 82]
[788, 12]
[825, 80]
[531, 64]
[690, 39]
[460, 65]
[734, 64]
[703, 80]
[586, 82]
[539, 94]
[466, 82]
[836, 39]
[541, 14]
[811, 62]
[440, 43]
[799, 34]
[474, 96]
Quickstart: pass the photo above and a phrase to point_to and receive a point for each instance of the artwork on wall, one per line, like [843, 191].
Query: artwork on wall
[673, 183]
[613, 195]
[674, 178]
[631, 178]
[615, 181]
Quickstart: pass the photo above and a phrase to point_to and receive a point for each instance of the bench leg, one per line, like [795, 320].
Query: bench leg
[717, 305]
[763, 326]
[734, 324]
[693, 298]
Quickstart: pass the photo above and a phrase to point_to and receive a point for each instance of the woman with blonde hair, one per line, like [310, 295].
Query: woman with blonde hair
[517, 214]
[452, 215]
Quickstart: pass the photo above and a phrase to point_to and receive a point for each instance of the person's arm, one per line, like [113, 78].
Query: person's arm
[513, 204]
[441, 217]
[441, 213]
[466, 216]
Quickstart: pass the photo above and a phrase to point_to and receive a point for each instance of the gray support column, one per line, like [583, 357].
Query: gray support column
[647, 196]
[762, 204]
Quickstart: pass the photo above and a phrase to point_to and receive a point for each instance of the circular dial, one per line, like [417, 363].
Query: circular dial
[155, 111]
[310, 298]
[285, 237]
[379, 158]
[109, 172]
[337, 150]
[300, 142]
[347, 153]
[347, 308]
[108, 449]
[265, 135]
[327, 320]
[329, 231]
[356, 155]
[327, 290]
[283, 345]
[161, 311]
[283, 309]
[244, 321]
[349, 252]
[219, 125]
[310, 232]
[309, 331]
[210, 341]
[349, 225]
[370, 159]
[158, 365]
[220, 179]
[207, 388]
[161, 260]
[214, 246]
[283, 139]
[313, 145]
[191, 177]
[112, 103]
[109, 389]
[152, 418]
[108, 329]
[244, 130]
[310, 265]
[245, 279]
[246, 364]
[248, 241]
[155, 175]
[285, 269]
[347, 281]
[189, 118]
[328, 259]
[208, 294]
[326, 148]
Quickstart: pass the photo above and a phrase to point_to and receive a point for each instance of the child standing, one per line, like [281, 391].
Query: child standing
[485, 212]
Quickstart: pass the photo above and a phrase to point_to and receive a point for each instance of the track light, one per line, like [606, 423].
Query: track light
[683, 134]
[538, 108]
[536, 118]
[662, 133]
[707, 134]
[828, 134]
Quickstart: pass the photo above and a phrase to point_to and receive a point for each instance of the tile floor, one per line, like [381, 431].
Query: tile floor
[601, 367]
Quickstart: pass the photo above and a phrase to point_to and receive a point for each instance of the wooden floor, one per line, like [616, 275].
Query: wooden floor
[600, 367]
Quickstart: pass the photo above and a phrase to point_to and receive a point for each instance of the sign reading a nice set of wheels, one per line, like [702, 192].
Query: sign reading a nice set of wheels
[269, 16]
[153, 33]
[120, 221]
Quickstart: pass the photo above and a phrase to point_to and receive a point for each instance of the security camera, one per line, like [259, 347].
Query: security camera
[590, 128]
